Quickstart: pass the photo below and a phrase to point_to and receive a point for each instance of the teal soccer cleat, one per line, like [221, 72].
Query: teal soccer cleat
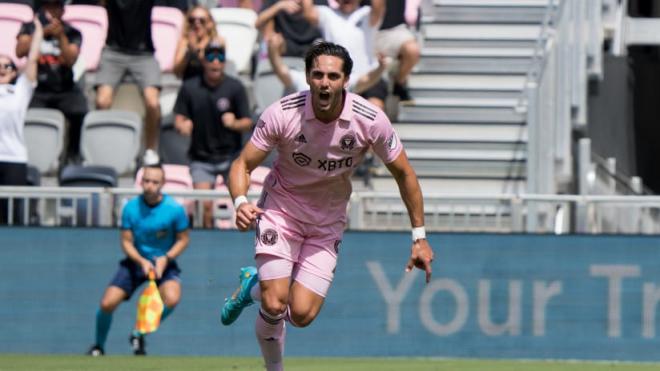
[241, 297]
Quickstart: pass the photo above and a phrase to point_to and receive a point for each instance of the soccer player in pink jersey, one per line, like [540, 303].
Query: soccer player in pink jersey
[321, 135]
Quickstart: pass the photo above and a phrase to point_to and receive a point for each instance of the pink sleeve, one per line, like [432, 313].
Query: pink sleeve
[265, 134]
[384, 140]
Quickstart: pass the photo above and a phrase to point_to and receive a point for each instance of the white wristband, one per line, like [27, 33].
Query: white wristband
[238, 201]
[418, 233]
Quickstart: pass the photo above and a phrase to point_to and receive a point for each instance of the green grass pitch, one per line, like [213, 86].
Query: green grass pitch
[12, 362]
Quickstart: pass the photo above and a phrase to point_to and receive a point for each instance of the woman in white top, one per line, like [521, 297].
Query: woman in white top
[15, 95]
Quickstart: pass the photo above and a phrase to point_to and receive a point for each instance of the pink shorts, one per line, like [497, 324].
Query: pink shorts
[286, 247]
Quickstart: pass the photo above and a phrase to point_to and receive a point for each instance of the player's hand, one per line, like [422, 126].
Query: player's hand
[289, 6]
[184, 127]
[56, 27]
[229, 120]
[146, 266]
[246, 214]
[421, 257]
[161, 264]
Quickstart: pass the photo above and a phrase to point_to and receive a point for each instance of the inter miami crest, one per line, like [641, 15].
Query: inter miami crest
[269, 237]
[347, 142]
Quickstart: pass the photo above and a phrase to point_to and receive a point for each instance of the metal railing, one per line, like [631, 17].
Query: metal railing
[505, 213]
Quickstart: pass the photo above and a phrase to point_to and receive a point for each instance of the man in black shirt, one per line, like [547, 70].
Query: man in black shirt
[213, 109]
[60, 48]
[130, 50]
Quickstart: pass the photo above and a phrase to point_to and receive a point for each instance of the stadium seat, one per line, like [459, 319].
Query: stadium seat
[44, 138]
[172, 147]
[166, 26]
[87, 176]
[236, 25]
[267, 86]
[92, 22]
[83, 211]
[111, 138]
[12, 16]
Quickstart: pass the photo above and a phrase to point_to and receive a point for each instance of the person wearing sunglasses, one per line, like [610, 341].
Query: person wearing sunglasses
[213, 109]
[198, 32]
[16, 91]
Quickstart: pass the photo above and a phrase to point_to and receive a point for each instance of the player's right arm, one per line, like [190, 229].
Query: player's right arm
[131, 251]
[310, 13]
[239, 182]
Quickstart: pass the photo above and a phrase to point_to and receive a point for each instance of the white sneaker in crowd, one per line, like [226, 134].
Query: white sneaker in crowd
[150, 157]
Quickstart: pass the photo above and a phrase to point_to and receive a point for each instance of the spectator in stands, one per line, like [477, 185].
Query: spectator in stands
[154, 232]
[182, 5]
[353, 27]
[15, 94]
[59, 52]
[26, 2]
[129, 49]
[296, 80]
[248, 4]
[198, 32]
[395, 40]
[213, 109]
[301, 215]
[284, 18]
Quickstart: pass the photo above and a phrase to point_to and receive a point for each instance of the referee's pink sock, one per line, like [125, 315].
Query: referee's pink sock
[271, 331]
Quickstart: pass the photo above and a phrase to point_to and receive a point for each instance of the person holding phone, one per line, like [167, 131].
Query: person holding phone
[57, 89]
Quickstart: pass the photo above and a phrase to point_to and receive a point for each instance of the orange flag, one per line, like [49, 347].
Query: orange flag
[149, 308]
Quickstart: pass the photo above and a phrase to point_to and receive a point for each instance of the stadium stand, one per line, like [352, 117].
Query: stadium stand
[92, 22]
[267, 86]
[12, 16]
[44, 139]
[236, 25]
[111, 138]
[173, 147]
[166, 26]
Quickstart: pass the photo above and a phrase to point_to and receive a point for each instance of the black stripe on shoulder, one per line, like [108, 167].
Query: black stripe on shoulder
[292, 105]
[364, 114]
[365, 107]
[296, 98]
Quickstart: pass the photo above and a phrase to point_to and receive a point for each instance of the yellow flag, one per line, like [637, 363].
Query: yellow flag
[149, 308]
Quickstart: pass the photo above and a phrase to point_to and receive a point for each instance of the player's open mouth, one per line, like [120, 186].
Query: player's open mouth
[324, 96]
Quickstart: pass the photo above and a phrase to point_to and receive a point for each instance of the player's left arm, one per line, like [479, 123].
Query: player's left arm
[421, 254]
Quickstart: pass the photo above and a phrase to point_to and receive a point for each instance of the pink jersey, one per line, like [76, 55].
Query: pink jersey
[311, 177]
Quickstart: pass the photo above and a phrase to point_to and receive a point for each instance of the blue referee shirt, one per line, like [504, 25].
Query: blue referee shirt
[154, 227]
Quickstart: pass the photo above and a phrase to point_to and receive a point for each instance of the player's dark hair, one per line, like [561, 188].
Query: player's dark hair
[327, 48]
[154, 166]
